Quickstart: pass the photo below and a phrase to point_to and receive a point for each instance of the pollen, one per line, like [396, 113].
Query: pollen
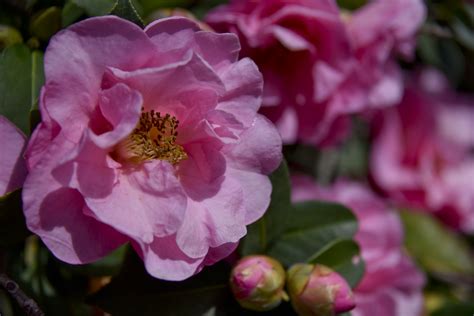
[154, 137]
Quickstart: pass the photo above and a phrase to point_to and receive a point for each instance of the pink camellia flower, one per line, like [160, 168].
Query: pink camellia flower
[149, 137]
[302, 49]
[257, 283]
[422, 153]
[391, 285]
[12, 165]
[378, 32]
[316, 290]
[317, 68]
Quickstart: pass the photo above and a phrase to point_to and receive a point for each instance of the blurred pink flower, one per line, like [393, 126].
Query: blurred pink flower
[303, 51]
[318, 69]
[379, 31]
[150, 137]
[391, 285]
[12, 164]
[422, 153]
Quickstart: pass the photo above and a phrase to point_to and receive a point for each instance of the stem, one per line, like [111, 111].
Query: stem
[27, 304]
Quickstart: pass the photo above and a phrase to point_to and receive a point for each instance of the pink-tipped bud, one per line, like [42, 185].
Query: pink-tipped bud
[257, 283]
[316, 290]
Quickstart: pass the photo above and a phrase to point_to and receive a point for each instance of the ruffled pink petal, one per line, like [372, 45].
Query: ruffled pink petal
[389, 302]
[387, 155]
[12, 165]
[144, 202]
[216, 254]
[76, 59]
[213, 222]
[259, 149]
[257, 190]
[243, 85]
[58, 214]
[121, 107]
[399, 18]
[164, 260]
[161, 87]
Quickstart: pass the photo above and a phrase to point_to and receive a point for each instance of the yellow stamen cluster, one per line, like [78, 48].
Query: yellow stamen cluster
[153, 138]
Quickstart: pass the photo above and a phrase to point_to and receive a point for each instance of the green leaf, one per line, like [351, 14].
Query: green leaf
[464, 33]
[12, 221]
[272, 224]
[351, 4]
[125, 9]
[344, 257]
[455, 309]
[21, 78]
[71, 13]
[9, 36]
[151, 5]
[310, 228]
[437, 249]
[46, 23]
[107, 266]
[37, 81]
[95, 7]
[135, 292]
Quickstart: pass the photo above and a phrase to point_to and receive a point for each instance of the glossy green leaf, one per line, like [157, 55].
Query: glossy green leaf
[151, 5]
[351, 4]
[455, 309]
[344, 257]
[310, 228]
[464, 33]
[12, 221]
[437, 249]
[272, 224]
[46, 23]
[21, 78]
[95, 7]
[71, 13]
[107, 266]
[9, 36]
[135, 292]
[125, 9]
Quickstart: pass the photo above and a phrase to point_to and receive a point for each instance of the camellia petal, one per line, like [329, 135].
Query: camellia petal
[12, 165]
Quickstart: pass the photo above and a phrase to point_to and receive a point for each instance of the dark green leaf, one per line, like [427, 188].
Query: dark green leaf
[46, 23]
[9, 36]
[107, 266]
[5, 306]
[12, 221]
[135, 292]
[455, 309]
[272, 224]
[71, 13]
[464, 33]
[343, 256]
[443, 53]
[125, 9]
[95, 7]
[310, 227]
[437, 249]
[351, 4]
[21, 78]
[151, 5]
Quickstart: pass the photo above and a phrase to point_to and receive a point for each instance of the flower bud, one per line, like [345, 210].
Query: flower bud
[316, 290]
[257, 283]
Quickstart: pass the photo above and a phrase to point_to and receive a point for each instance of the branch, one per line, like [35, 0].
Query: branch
[27, 304]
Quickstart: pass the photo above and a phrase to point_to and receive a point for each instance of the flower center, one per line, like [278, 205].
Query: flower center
[153, 138]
